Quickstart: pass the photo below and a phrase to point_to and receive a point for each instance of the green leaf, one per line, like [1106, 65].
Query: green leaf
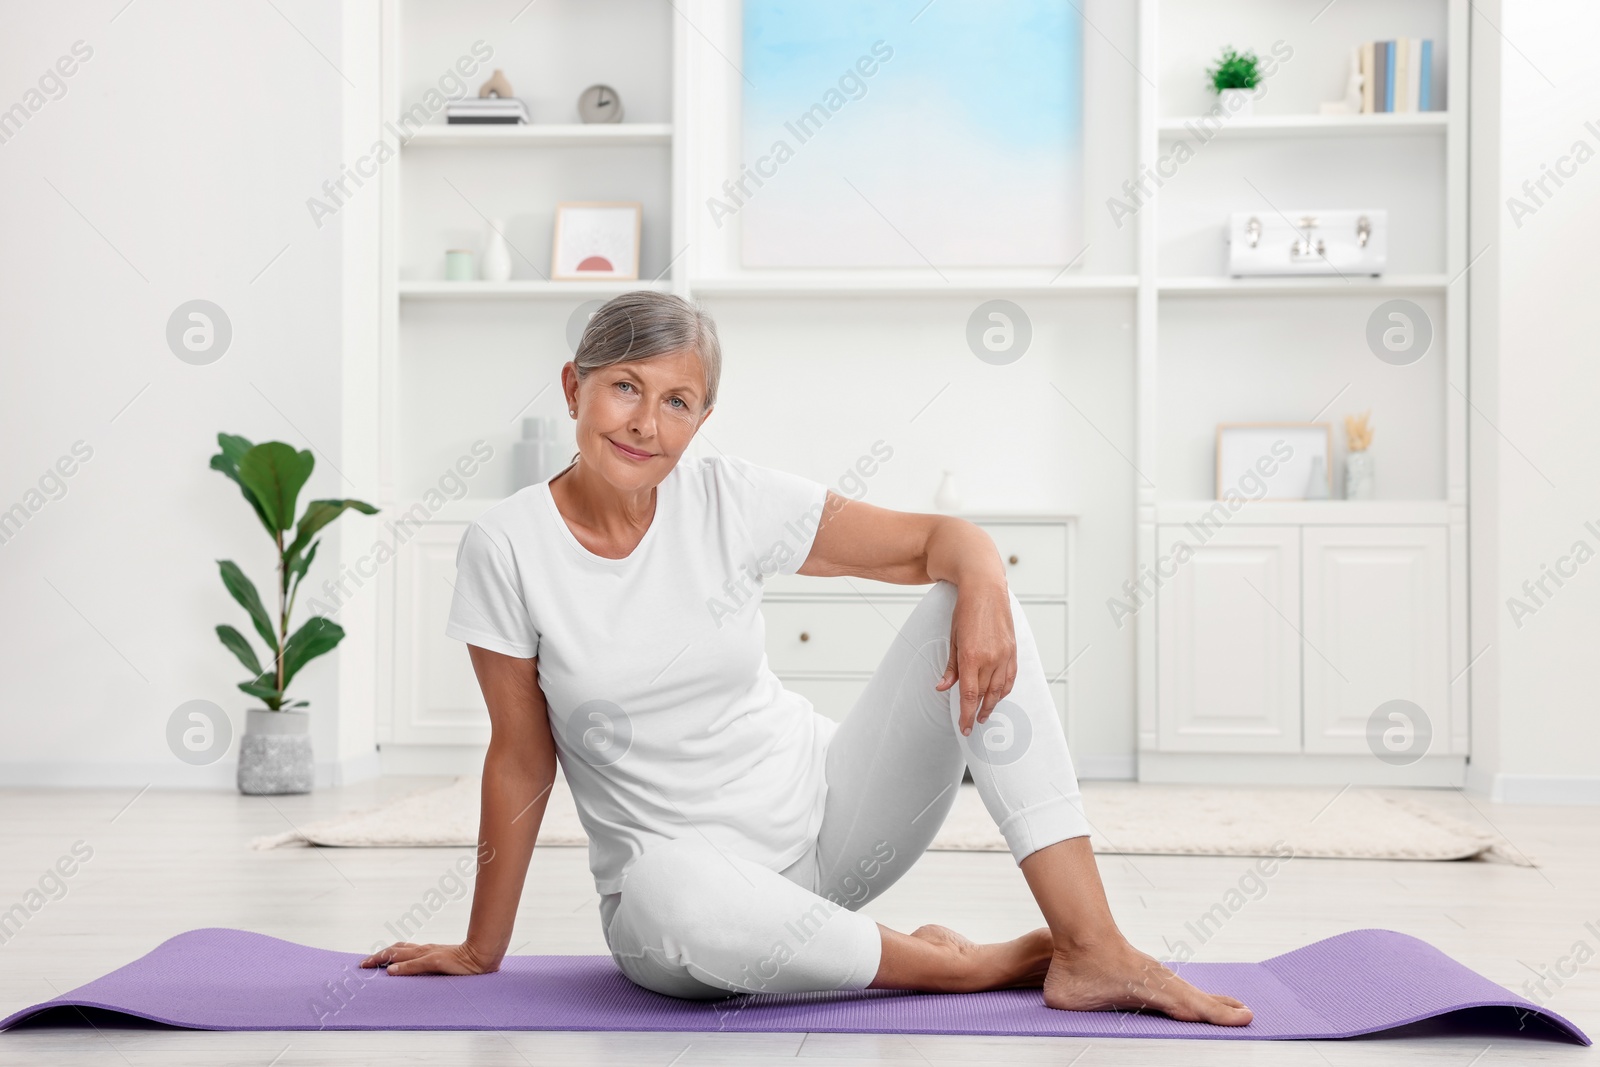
[276, 473]
[318, 514]
[244, 591]
[319, 635]
[272, 696]
[241, 648]
[298, 565]
[227, 461]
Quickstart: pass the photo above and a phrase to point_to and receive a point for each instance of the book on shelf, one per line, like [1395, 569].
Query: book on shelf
[1389, 75]
[1368, 65]
[1401, 76]
[1397, 76]
[487, 109]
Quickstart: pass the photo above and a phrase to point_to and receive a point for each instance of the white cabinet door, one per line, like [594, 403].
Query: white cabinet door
[1227, 646]
[436, 695]
[1376, 622]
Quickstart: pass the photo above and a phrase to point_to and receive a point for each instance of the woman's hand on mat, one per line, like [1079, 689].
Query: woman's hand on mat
[983, 651]
[403, 957]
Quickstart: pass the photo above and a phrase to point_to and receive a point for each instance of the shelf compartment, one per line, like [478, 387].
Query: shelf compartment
[550, 135]
[520, 290]
[1387, 123]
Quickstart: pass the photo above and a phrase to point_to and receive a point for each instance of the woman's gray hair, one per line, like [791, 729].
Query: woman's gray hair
[643, 323]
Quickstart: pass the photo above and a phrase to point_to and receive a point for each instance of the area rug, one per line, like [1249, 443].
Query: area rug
[1126, 817]
[217, 978]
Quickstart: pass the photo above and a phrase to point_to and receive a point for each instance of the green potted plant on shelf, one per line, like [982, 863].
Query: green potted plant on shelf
[1234, 78]
[275, 751]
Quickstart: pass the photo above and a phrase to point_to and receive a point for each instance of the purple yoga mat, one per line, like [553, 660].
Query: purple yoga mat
[222, 979]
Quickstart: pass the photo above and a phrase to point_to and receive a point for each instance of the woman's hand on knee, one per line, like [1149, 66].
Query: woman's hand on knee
[403, 957]
[983, 651]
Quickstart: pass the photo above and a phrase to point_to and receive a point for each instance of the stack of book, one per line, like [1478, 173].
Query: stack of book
[494, 109]
[1397, 75]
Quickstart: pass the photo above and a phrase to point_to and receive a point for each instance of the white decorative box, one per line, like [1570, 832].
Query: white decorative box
[1308, 242]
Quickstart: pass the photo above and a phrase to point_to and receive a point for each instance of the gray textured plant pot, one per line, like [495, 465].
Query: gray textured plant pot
[275, 752]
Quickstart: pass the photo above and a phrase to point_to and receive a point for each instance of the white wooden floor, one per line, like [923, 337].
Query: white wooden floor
[171, 861]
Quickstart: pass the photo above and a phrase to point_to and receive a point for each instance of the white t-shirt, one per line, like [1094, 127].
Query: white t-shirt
[668, 722]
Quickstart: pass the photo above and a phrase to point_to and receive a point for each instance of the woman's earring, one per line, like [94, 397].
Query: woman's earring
[572, 411]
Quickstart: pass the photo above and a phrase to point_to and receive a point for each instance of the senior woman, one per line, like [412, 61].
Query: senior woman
[735, 832]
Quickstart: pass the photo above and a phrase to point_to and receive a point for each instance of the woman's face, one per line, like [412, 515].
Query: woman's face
[636, 418]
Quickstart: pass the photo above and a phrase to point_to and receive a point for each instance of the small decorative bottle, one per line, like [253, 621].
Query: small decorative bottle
[948, 496]
[496, 256]
[1317, 481]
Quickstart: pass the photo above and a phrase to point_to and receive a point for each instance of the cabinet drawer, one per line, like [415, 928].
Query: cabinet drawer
[831, 636]
[834, 697]
[1035, 555]
[841, 637]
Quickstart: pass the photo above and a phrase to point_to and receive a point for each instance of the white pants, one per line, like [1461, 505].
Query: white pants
[697, 922]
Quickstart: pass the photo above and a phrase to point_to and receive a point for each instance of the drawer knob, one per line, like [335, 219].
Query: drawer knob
[804, 636]
[1014, 560]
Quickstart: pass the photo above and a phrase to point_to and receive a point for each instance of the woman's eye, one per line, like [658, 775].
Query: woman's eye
[624, 385]
[679, 401]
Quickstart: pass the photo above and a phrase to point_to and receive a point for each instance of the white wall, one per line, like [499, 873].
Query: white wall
[175, 166]
[1536, 481]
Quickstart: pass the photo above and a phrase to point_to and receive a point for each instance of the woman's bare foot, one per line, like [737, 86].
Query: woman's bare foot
[1021, 962]
[1109, 977]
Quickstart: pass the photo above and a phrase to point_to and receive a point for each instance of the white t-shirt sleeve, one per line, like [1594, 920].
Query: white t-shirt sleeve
[487, 609]
[781, 511]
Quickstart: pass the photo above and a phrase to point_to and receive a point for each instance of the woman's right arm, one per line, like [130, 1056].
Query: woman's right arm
[518, 772]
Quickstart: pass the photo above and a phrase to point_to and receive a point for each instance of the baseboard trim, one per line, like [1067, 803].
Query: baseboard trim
[362, 768]
[432, 759]
[1106, 767]
[169, 774]
[1545, 789]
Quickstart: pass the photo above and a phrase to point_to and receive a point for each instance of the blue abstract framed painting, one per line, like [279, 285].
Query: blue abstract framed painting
[908, 134]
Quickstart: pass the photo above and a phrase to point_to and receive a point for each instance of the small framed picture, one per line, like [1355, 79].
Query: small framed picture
[596, 239]
[1274, 460]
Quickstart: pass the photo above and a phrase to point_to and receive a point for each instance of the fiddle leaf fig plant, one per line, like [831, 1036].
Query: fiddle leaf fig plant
[271, 475]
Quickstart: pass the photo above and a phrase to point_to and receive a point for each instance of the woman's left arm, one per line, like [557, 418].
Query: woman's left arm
[910, 548]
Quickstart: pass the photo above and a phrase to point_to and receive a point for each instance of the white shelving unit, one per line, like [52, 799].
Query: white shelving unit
[1233, 682]
[445, 379]
[1148, 322]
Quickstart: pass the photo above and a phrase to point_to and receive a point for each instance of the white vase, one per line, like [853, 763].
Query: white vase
[1358, 476]
[948, 496]
[496, 256]
[1238, 103]
[1317, 480]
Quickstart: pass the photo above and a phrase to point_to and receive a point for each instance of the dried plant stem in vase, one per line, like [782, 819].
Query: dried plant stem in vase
[1357, 460]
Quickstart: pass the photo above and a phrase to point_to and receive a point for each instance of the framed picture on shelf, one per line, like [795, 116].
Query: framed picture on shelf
[596, 239]
[1291, 460]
